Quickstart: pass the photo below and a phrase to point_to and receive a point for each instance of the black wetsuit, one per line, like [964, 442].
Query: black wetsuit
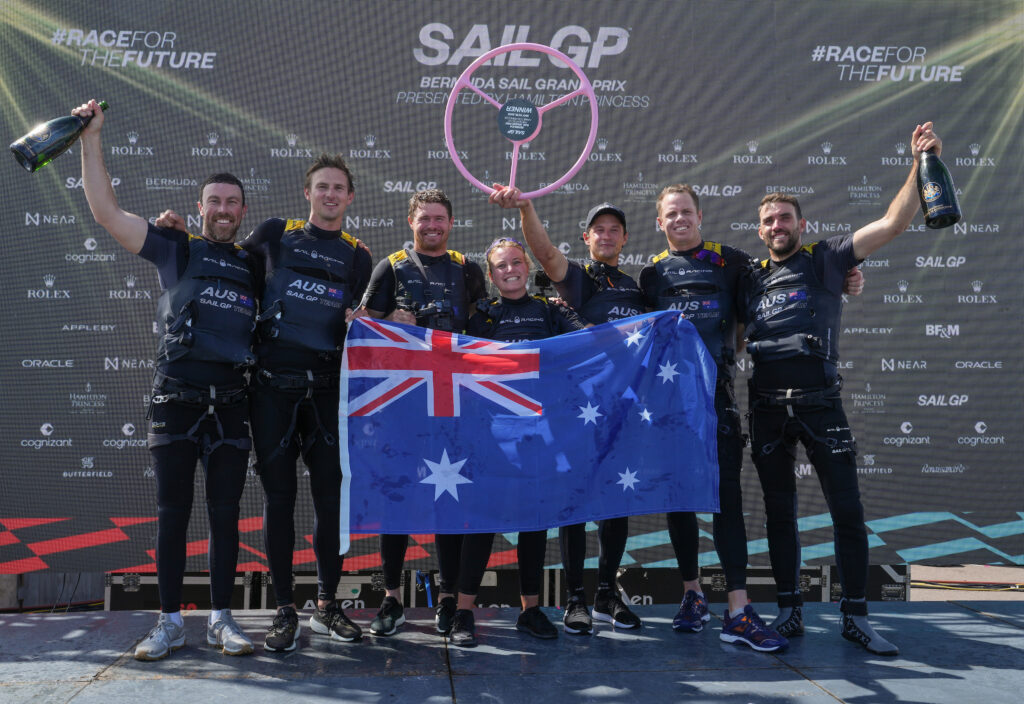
[199, 409]
[507, 320]
[704, 283]
[439, 291]
[312, 277]
[599, 293]
[793, 311]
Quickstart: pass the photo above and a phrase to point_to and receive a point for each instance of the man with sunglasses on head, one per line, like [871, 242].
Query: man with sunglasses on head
[432, 286]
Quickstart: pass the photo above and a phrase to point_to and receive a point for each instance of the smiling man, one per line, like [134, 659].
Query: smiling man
[793, 314]
[198, 411]
[433, 287]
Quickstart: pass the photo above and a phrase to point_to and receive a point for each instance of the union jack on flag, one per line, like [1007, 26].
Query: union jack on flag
[405, 358]
[447, 433]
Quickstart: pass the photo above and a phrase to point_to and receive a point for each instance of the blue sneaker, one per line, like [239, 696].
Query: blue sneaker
[748, 628]
[692, 614]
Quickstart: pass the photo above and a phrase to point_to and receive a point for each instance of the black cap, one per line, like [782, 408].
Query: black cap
[601, 210]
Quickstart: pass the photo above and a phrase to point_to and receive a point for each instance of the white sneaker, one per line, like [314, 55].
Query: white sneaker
[227, 634]
[159, 642]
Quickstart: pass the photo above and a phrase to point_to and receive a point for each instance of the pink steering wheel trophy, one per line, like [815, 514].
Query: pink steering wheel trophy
[519, 120]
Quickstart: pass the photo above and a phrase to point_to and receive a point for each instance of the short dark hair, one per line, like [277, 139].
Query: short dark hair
[777, 197]
[329, 161]
[430, 195]
[223, 177]
[677, 188]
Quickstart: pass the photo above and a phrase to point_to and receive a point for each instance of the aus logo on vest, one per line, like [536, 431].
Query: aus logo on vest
[224, 298]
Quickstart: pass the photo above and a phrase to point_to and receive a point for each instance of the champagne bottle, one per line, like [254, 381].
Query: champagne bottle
[938, 195]
[48, 141]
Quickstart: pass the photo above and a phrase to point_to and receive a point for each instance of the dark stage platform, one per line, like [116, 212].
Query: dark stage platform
[951, 652]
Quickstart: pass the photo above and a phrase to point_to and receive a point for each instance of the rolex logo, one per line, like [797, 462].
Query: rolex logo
[826, 147]
[901, 148]
[133, 137]
[602, 144]
[292, 139]
[976, 286]
[129, 281]
[752, 146]
[212, 138]
[48, 280]
[975, 148]
[677, 145]
[526, 145]
[902, 285]
[370, 139]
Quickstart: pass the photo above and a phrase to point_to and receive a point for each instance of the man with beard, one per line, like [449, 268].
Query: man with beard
[433, 287]
[198, 411]
[793, 313]
[599, 292]
[313, 273]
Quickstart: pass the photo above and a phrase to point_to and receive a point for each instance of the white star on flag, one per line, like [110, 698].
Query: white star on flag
[444, 475]
[634, 338]
[627, 479]
[667, 372]
[589, 414]
[645, 415]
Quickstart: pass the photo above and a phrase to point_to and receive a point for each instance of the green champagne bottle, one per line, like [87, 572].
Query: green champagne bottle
[938, 195]
[48, 141]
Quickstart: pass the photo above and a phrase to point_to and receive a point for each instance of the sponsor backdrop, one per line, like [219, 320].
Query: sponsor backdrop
[817, 99]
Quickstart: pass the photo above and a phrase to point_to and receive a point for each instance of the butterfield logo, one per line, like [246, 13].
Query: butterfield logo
[291, 151]
[944, 331]
[906, 437]
[49, 291]
[871, 467]
[47, 441]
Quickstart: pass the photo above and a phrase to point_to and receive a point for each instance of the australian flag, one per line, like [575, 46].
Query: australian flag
[454, 434]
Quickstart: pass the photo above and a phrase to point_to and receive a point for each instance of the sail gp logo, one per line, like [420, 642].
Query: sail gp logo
[439, 44]
[405, 359]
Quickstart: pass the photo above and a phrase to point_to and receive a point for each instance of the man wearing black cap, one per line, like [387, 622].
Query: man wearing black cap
[599, 291]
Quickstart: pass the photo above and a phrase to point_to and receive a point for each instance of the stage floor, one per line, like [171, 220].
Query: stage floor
[950, 652]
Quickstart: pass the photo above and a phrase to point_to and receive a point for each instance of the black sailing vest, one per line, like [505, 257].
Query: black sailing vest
[697, 285]
[515, 321]
[444, 291]
[305, 297]
[208, 314]
[791, 313]
[613, 300]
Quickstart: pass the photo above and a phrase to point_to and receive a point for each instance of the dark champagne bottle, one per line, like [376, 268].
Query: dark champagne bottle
[938, 194]
[48, 141]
